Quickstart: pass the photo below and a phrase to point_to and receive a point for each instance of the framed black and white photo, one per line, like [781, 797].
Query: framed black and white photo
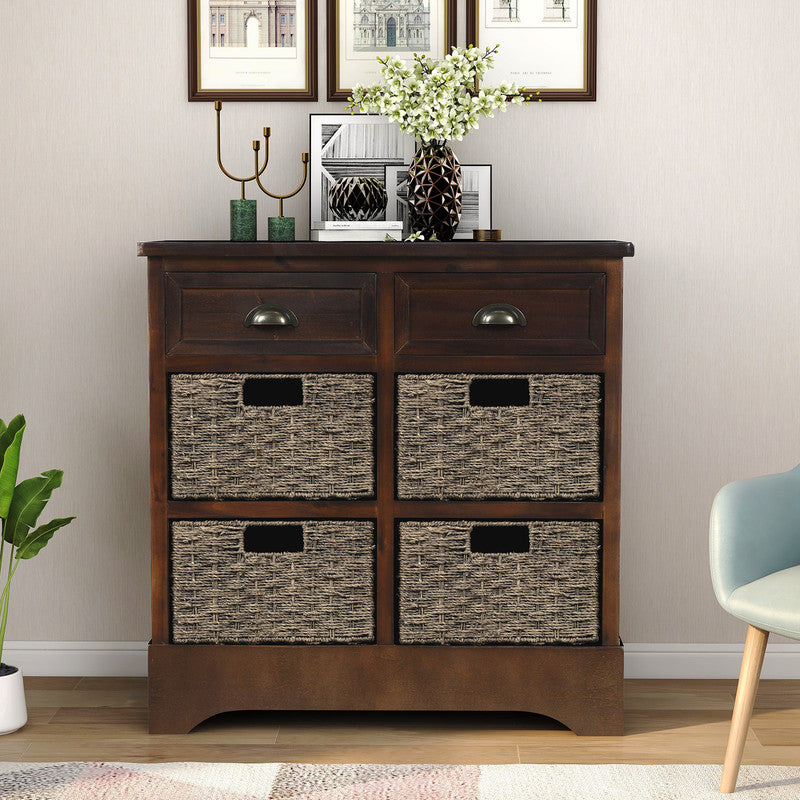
[349, 145]
[549, 47]
[476, 208]
[359, 31]
[252, 49]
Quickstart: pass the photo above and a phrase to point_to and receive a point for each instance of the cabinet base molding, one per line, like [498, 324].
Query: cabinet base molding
[580, 686]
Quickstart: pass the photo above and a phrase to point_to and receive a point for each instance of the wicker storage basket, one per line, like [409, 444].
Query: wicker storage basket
[314, 439]
[223, 593]
[544, 446]
[450, 594]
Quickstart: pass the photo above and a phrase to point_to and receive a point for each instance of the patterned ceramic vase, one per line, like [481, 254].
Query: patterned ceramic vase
[357, 199]
[434, 191]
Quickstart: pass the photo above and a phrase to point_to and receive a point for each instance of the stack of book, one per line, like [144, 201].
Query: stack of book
[343, 231]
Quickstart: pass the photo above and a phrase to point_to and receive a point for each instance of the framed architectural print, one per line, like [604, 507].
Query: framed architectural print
[476, 209]
[252, 49]
[549, 47]
[360, 31]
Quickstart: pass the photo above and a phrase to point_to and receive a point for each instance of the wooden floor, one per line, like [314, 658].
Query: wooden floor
[105, 719]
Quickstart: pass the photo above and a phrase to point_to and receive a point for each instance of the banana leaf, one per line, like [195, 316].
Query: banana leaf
[36, 540]
[30, 498]
[10, 443]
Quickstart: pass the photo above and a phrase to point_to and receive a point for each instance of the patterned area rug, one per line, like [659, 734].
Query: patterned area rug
[198, 781]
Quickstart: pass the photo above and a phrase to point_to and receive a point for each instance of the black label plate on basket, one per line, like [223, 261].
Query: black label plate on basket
[499, 539]
[272, 392]
[273, 539]
[499, 392]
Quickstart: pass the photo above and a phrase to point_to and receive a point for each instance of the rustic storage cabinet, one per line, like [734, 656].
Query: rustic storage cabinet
[385, 476]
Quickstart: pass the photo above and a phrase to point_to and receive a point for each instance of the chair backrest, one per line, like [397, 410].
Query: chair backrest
[754, 530]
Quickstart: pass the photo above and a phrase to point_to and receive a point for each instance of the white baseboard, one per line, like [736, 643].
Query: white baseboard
[91, 659]
[782, 661]
[641, 660]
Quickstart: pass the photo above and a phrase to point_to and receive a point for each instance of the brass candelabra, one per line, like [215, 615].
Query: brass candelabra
[243, 211]
[280, 228]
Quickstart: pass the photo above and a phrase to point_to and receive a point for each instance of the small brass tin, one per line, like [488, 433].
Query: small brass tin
[487, 235]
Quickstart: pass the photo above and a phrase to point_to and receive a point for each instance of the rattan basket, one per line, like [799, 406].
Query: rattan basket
[221, 593]
[223, 447]
[449, 594]
[546, 449]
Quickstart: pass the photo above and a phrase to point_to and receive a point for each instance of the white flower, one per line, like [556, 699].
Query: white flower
[434, 100]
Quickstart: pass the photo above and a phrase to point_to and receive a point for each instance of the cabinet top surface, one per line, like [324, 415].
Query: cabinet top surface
[428, 250]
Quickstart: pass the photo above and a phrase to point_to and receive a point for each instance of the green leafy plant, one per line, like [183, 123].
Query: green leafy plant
[20, 507]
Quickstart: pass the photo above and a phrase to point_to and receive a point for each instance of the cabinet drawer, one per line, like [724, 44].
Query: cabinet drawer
[265, 436]
[514, 582]
[282, 582]
[483, 437]
[329, 313]
[564, 313]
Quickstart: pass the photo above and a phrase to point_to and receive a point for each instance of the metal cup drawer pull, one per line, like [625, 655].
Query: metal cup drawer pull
[499, 314]
[267, 315]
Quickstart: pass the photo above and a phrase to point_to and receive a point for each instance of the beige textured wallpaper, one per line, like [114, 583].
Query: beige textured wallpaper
[690, 152]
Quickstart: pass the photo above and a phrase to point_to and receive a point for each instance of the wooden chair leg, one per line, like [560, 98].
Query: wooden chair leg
[754, 649]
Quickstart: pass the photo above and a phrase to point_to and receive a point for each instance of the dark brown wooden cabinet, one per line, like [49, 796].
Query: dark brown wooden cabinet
[398, 489]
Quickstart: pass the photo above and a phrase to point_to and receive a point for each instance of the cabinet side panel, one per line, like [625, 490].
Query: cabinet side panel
[159, 563]
[612, 455]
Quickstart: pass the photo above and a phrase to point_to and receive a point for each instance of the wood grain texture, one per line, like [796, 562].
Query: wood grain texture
[385, 566]
[754, 649]
[205, 313]
[196, 92]
[579, 686]
[415, 254]
[665, 722]
[159, 456]
[565, 314]
[589, 92]
[335, 89]
[572, 292]
[612, 454]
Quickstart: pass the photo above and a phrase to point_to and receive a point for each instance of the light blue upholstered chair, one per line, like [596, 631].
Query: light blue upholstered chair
[754, 545]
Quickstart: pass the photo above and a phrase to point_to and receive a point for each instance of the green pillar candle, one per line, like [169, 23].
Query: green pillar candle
[281, 229]
[243, 220]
